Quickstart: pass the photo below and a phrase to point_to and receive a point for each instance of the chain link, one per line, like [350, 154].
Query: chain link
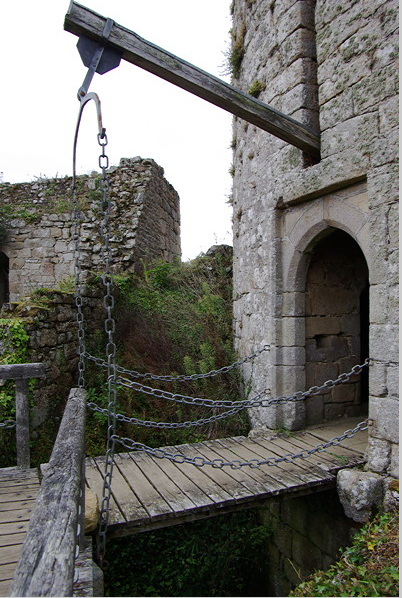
[171, 425]
[219, 463]
[8, 423]
[258, 400]
[76, 222]
[234, 406]
[179, 378]
[108, 303]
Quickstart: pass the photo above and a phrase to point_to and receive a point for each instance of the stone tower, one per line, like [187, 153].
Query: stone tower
[315, 241]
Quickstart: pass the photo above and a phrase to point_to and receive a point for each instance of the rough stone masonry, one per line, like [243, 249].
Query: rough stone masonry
[316, 241]
[37, 248]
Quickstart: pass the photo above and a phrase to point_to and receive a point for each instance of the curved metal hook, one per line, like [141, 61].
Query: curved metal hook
[101, 130]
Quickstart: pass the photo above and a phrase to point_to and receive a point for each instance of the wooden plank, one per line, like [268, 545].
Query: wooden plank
[80, 20]
[151, 500]
[172, 493]
[7, 572]
[223, 476]
[123, 494]
[276, 478]
[305, 476]
[250, 477]
[200, 477]
[10, 554]
[15, 473]
[313, 460]
[339, 456]
[186, 485]
[20, 371]
[94, 480]
[11, 539]
[12, 527]
[4, 585]
[29, 493]
[46, 566]
[16, 507]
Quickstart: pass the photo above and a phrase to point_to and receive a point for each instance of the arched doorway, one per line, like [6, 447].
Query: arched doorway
[337, 325]
[4, 279]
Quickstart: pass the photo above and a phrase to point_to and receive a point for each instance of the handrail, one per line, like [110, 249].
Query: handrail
[46, 564]
[21, 373]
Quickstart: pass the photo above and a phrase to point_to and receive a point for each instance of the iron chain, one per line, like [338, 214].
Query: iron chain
[8, 423]
[161, 453]
[108, 303]
[259, 400]
[76, 221]
[170, 425]
[180, 378]
[234, 406]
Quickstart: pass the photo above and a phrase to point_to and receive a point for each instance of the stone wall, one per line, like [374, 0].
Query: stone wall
[332, 66]
[144, 220]
[306, 536]
[51, 323]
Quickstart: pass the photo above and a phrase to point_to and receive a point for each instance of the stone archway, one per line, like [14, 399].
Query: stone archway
[4, 279]
[336, 324]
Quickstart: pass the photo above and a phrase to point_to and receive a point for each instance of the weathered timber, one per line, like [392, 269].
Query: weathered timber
[46, 565]
[82, 21]
[151, 493]
[21, 372]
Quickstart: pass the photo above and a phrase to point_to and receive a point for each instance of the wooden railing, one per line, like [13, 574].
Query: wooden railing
[21, 373]
[46, 564]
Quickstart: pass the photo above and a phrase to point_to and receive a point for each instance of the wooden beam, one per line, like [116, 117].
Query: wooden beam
[80, 21]
[46, 564]
[19, 371]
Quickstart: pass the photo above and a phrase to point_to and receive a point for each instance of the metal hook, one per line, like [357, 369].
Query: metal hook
[101, 130]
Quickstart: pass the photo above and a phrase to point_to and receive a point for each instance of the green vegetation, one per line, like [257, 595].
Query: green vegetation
[13, 349]
[256, 88]
[171, 319]
[10, 212]
[220, 556]
[367, 568]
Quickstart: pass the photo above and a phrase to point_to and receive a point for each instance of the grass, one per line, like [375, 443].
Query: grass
[367, 568]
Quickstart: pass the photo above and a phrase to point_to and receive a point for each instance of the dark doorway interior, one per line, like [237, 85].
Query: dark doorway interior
[337, 325]
[4, 279]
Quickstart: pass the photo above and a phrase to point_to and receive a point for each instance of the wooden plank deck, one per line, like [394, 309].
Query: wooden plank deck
[151, 493]
[18, 491]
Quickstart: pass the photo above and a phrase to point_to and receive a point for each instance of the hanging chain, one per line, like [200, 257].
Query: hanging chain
[108, 303]
[8, 423]
[76, 221]
[181, 377]
[219, 463]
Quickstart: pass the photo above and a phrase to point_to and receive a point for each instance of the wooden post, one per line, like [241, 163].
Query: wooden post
[82, 21]
[21, 372]
[22, 422]
[46, 564]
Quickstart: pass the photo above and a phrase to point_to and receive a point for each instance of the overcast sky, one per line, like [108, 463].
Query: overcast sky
[144, 116]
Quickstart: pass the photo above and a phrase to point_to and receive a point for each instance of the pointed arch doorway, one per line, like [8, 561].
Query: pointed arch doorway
[336, 324]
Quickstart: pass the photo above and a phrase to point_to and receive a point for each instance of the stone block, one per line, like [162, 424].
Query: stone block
[305, 554]
[394, 466]
[314, 410]
[359, 492]
[378, 456]
[385, 415]
[344, 393]
[322, 325]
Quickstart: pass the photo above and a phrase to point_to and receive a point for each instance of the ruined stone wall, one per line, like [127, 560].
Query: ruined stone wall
[36, 223]
[333, 66]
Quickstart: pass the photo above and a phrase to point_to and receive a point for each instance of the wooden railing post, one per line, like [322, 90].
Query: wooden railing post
[22, 422]
[46, 564]
[21, 373]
